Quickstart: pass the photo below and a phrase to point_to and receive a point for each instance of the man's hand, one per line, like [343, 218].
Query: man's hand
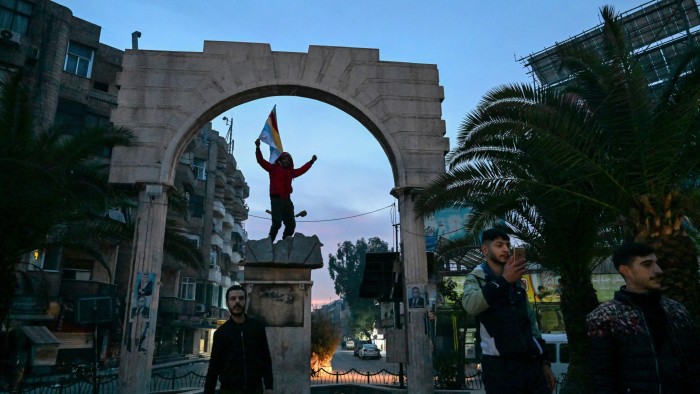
[313, 158]
[514, 269]
[549, 377]
[257, 143]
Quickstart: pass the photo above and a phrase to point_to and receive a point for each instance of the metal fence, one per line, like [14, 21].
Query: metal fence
[171, 380]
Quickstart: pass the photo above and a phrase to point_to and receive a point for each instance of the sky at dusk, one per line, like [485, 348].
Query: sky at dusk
[475, 45]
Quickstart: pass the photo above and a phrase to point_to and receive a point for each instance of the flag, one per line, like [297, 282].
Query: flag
[271, 136]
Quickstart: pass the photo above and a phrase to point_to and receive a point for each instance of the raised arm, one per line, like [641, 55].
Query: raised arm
[301, 170]
[266, 165]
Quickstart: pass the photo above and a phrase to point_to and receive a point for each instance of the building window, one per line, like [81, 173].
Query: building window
[15, 15]
[199, 167]
[78, 269]
[213, 295]
[196, 206]
[79, 60]
[212, 258]
[193, 239]
[188, 288]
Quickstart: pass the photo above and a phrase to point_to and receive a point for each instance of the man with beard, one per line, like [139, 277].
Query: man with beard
[513, 358]
[282, 172]
[240, 355]
[642, 342]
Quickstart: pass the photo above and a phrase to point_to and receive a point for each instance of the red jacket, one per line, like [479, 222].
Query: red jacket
[280, 177]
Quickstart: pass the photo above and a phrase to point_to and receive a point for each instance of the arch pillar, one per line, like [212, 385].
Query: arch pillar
[136, 355]
[415, 271]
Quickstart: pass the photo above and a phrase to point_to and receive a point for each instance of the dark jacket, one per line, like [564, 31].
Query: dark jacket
[280, 177]
[507, 323]
[240, 357]
[625, 358]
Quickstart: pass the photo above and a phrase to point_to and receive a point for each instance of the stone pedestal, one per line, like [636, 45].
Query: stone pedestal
[279, 292]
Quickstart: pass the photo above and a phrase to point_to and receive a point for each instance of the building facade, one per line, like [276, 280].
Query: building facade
[64, 296]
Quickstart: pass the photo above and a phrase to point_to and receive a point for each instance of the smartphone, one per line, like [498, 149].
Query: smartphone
[518, 253]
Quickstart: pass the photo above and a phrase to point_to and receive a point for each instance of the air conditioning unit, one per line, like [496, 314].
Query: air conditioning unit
[9, 37]
[199, 308]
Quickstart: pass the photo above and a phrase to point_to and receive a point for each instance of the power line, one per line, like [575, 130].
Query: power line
[328, 220]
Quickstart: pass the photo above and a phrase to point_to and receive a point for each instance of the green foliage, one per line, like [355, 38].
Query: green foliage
[324, 339]
[346, 268]
[448, 288]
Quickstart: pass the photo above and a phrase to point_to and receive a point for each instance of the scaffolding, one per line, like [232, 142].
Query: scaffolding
[657, 31]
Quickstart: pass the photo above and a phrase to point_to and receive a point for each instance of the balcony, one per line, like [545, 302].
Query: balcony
[226, 249]
[228, 220]
[238, 229]
[236, 257]
[176, 306]
[102, 96]
[225, 281]
[214, 274]
[239, 209]
[71, 288]
[216, 240]
[219, 210]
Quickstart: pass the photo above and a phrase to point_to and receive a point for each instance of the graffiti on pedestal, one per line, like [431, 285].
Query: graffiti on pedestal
[278, 305]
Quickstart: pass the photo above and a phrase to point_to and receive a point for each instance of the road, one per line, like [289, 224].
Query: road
[343, 360]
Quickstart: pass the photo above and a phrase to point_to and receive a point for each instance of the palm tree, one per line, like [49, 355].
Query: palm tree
[56, 192]
[51, 180]
[651, 154]
[518, 189]
[575, 169]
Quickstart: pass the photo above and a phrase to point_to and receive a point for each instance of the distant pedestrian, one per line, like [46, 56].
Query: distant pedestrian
[513, 356]
[282, 172]
[240, 355]
[642, 342]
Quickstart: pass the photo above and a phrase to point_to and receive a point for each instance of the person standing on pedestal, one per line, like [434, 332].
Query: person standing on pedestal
[282, 172]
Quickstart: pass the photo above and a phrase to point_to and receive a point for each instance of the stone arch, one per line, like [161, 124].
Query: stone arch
[165, 97]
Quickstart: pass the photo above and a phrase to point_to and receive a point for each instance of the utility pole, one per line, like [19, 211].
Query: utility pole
[229, 134]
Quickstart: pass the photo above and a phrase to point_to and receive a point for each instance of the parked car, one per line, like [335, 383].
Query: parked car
[350, 344]
[358, 347]
[369, 350]
[558, 350]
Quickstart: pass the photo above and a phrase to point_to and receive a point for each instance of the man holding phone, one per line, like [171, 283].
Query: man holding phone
[513, 356]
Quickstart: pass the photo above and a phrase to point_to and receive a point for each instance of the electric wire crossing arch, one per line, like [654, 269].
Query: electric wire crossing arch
[166, 97]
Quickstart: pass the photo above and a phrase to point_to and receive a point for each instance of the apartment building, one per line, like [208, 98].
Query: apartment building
[64, 296]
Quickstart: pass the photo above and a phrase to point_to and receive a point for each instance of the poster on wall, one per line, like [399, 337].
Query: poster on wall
[141, 296]
[416, 297]
[545, 286]
[449, 223]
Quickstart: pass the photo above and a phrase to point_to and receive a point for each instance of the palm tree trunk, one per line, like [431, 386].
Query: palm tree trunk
[578, 299]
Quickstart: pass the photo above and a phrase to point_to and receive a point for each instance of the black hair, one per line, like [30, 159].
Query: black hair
[492, 234]
[236, 287]
[625, 253]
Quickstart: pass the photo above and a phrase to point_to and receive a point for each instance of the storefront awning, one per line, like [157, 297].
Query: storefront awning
[40, 335]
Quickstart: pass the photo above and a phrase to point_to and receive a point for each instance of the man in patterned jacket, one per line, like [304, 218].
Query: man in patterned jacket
[642, 342]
